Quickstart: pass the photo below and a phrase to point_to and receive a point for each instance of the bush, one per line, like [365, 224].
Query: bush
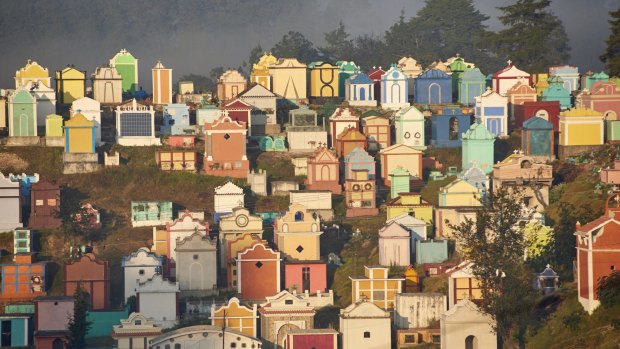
[609, 290]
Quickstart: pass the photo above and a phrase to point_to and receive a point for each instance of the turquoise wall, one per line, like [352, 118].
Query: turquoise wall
[431, 251]
[104, 321]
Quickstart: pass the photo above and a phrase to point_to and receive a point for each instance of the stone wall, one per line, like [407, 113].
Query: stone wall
[22, 141]
[80, 163]
[54, 141]
[566, 151]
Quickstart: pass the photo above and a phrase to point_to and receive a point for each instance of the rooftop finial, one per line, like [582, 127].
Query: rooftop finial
[509, 62]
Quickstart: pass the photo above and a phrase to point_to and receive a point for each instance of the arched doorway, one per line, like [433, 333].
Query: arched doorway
[395, 97]
[325, 173]
[362, 93]
[453, 129]
[282, 332]
[434, 94]
[471, 342]
[196, 275]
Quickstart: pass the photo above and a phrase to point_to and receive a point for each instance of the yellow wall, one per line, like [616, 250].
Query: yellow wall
[462, 199]
[581, 134]
[81, 140]
[236, 317]
[385, 299]
[424, 213]
[330, 73]
[289, 83]
[80, 134]
[288, 244]
[73, 84]
[409, 162]
[160, 244]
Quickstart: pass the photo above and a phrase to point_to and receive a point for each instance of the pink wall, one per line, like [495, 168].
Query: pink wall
[293, 274]
[53, 315]
[311, 341]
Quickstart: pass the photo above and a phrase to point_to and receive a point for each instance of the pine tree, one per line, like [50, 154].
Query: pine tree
[441, 29]
[495, 243]
[534, 38]
[294, 44]
[79, 324]
[339, 44]
[611, 57]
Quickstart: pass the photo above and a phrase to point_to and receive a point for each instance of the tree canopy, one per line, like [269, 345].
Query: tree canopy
[294, 44]
[495, 244]
[534, 38]
[611, 56]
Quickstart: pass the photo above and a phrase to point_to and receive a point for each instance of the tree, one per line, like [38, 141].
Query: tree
[70, 204]
[339, 44]
[79, 324]
[200, 81]
[441, 29]
[369, 51]
[294, 44]
[255, 55]
[563, 243]
[608, 290]
[611, 57]
[495, 243]
[534, 38]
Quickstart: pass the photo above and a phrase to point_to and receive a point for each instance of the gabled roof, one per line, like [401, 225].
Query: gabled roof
[410, 113]
[399, 149]
[79, 120]
[537, 123]
[360, 78]
[372, 112]
[473, 74]
[407, 220]
[477, 132]
[256, 90]
[434, 74]
[603, 220]
[287, 63]
[228, 188]
[376, 73]
[364, 310]
[394, 73]
[511, 71]
[351, 133]
[322, 154]
[237, 103]
[393, 229]
[466, 186]
[159, 65]
[358, 154]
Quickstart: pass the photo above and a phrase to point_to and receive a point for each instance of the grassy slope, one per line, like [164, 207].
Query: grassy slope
[569, 327]
[111, 191]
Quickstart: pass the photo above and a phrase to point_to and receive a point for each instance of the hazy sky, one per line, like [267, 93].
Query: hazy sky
[89, 32]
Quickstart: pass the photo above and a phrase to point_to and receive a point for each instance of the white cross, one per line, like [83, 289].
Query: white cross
[509, 62]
